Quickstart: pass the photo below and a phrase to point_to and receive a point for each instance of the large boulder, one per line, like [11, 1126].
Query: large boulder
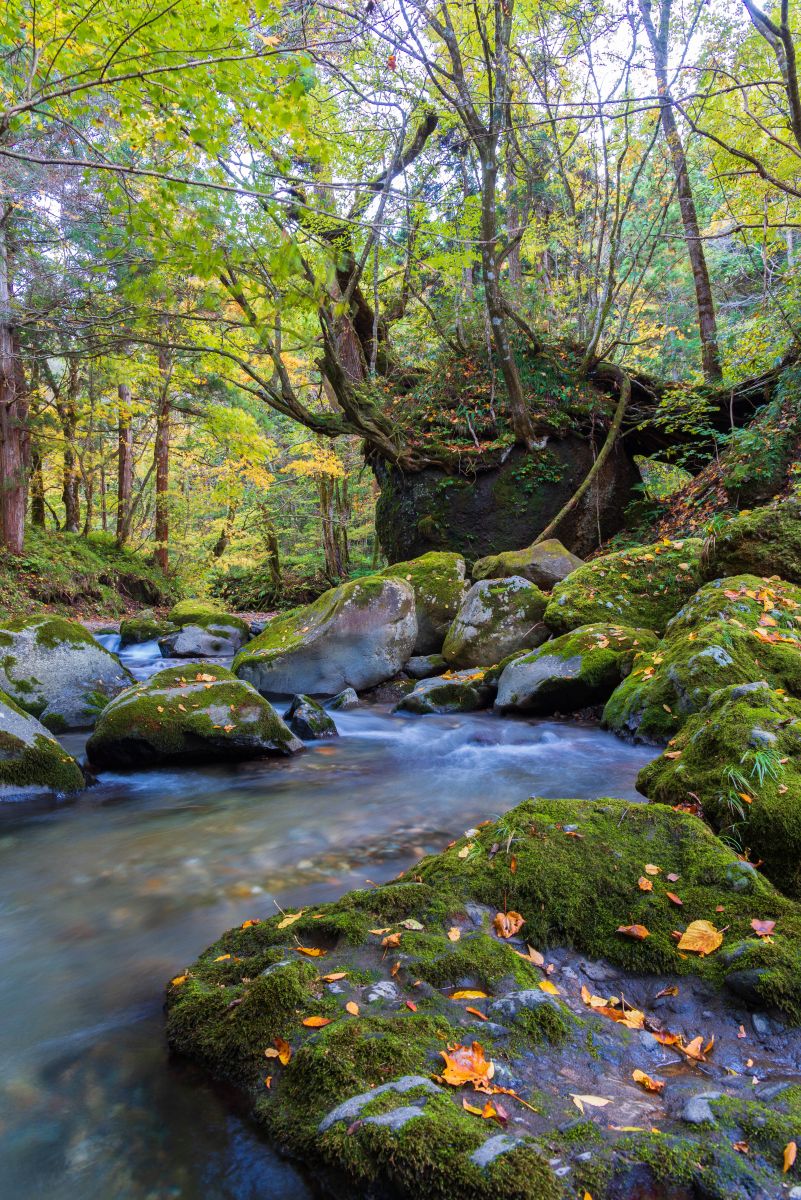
[57, 671]
[731, 631]
[497, 617]
[32, 762]
[740, 758]
[575, 670]
[765, 541]
[207, 636]
[545, 564]
[188, 715]
[437, 580]
[424, 666]
[342, 1027]
[356, 635]
[456, 691]
[641, 587]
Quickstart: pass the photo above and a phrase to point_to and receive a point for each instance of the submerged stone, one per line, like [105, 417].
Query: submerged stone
[32, 762]
[201, 713]
[357, 635]
[309, 720]
[546, 564]
[438, 582]
[343, 701]
[58, 672]
[498, 617]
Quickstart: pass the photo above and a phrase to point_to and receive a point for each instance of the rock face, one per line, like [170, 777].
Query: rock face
[188, 715]
[458, 691]
[545, 564]
[309, 720]
[206, 637]
[741, 757]
[578, 669]
[56, 671]
[356, 635]
[352, 1090]
[32, 762]
[497, 617]
[437, 580]
[764, 542]
[731, 631]
[642, 587]
[504, 504]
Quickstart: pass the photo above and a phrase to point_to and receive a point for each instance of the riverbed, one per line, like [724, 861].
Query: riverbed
[105, 898]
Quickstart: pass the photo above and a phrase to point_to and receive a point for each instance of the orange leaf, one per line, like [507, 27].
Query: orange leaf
[282, 1051]
[638, 932]
[179, 979]
[410, 1004]
[650, 1085]
[674, 898]
[467, 1064]
[352, 1007]
[700, 937]
[475, 1011]
[644, 884]
[222, 957]
[454, 933]
[268, 1081]
[316, 1022]
[790, 1152]
[508, 924]
[334, 976]
[310, 951]
[391, 940]
[251, 922]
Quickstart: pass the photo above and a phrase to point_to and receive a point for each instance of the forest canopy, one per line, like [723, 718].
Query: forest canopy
[253, 255]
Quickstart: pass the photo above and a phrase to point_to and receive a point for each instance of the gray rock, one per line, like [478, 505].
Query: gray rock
[762, 1024]
[697, 1110]
[545, 564]
[396, 1118]
[55, 670]
[761, 737]
[498, 617]
[742, 877]
[745, 984]
[350, 1109]
[343, 701]
[423, 666]
[221, 637]
[508, 1007]
[385, 989]
[309, 720]
[438, 582]
[357, 635]
[32, 762]
[460, 691]
[493, 1148]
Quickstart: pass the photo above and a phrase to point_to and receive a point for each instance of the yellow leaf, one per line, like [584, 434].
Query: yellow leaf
[280, 1050]
[471, 1108]
[469, 994]
[700, 937]
[465, 850]
[650, 869]
[179, 979]
[222, 957]
[310, 951]
[316, 1022]
[508, 924]
[353, 1008]
[454, 933]
[290, 920]
[334, 976]
[650, 1085]
[790, 1152]
[550, 988]
[592, 1101]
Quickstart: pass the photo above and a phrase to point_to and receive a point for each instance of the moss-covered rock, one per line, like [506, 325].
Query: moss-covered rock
[188, 612]
[207, 636]
[642, 587]
[333, 1027]
[56, 670]
[575, 670]
[764, 542]
[424, 666]
[357, 635]
[309, 720]
[437, 580]
[135, 630]
[497, 617]
[731, 631]
[32, 762]
[455, 691]
[185, 715]
[545, 564]
[740, 758]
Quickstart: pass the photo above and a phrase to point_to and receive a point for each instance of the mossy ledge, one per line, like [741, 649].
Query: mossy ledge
[571, 869]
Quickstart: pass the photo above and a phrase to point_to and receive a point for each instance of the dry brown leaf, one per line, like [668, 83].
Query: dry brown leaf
[532, 956]
[334, 976]
[638, 932]
[644, 884]
[650, 1085]
[508, 924]
[700, 937]
[391, 940]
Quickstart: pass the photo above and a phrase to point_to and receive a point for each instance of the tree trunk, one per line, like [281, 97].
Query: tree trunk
[69, 423]
[124, 465]
[333, 558]
[37, 488]
[707, 322]
[13, 412]
[162, 462]
[223, 541]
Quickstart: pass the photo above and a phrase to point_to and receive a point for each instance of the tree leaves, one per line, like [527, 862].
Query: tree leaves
[700, 937]
[508, 924]
[638, 932]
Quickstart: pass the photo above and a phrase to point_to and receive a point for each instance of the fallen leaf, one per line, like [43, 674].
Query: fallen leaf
[700, 937]
[694, 1049]
[290, 920]
[467, 1064]
[790, 1153]
[391, 940]
[508, 924]
[550, 988]
[475, 1011]
[644, 884]
[253, 921]
[310, 951]
[650, 1085]
[638, 932]
[395, 969]
[763, 929]
[592, 1101]
[532, 956]
[268, 1081]
[741, 1147]
[316, 1022]
[454, 933]
[465, 850]
[410, 1004]
[667, 991]
[674, 898]
[222, 957]
[379, 932]
[352, 1007]
[471, 1108]
[651, 869]
[280, 1050]
[410, 923]
[178, 980]
[332, 978]
[741, 1032]
[469, 994]
[672, 877]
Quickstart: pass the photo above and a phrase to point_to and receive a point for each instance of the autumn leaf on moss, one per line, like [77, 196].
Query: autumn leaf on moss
[763, 929]
[290, 919]
[790, 1154]
[469, 994]
[467, 1065]
[316, 1022]
[280, 1050]
[508, 924]
[310, 951]
[638, 932]
[700, 937]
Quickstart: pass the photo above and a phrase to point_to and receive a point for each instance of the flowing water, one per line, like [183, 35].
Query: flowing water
[105, 898]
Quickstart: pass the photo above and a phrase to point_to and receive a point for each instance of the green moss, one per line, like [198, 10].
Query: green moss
[764, 542]
[496, 618]
[31, 759]
[437, 580]
[746, 742]
[135, 630]
[188, 612]
[642, 587]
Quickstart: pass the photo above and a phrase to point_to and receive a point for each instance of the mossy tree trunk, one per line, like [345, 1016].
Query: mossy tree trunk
[124, 464]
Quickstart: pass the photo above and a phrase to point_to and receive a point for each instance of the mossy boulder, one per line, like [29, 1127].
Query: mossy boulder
[309, 720]
[731, 631]
[333, 1028]
[437, 580]
[194, 714]
[545, 564]
[765, 542]
[57, 671]
[497, 617]
[573, 671]
[136, 630]
[216, 635]
[642, 587]
[357, 635]
[740, 758]
[187, 612]
[32, 762]
[455, 691]
[424, 666]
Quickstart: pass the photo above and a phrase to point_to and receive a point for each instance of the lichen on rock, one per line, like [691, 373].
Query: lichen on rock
[455, 691]
[498, 617]
[438, 582]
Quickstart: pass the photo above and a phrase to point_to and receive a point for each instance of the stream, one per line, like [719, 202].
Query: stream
[105, 898]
